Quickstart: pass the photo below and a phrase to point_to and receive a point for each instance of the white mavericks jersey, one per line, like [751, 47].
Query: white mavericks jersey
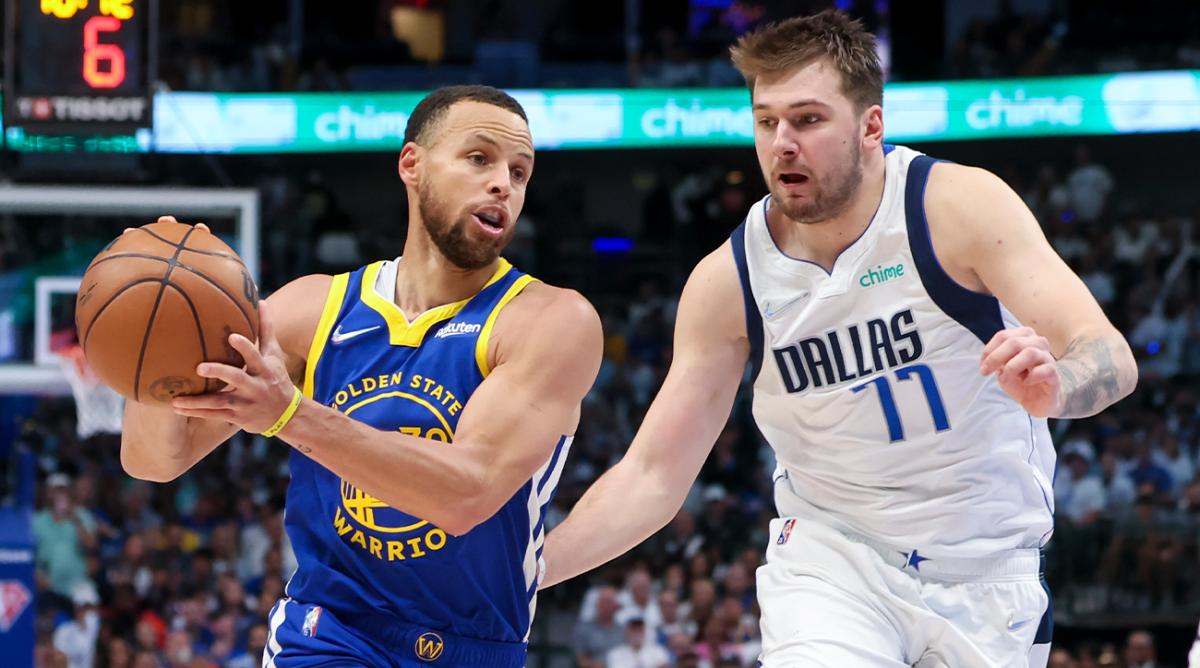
[867, 385]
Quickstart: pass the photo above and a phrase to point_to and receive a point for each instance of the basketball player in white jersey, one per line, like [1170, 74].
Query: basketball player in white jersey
[909, 331]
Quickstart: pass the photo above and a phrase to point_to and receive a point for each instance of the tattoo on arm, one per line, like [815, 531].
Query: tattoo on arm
[1090, 378]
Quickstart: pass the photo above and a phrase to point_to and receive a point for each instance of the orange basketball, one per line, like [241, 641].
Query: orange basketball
[156, 302]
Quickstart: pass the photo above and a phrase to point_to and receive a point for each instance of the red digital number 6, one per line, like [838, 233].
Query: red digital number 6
[94, 53]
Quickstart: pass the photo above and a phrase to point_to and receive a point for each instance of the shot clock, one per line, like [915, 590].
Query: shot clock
[79, 67]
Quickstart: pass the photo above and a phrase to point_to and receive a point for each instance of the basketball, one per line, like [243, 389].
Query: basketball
[158, 301]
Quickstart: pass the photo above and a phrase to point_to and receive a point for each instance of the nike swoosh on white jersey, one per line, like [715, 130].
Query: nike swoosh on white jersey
[772, 312]
[1014, 625]
[339, 336]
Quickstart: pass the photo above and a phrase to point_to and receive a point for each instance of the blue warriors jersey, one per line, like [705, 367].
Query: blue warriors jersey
[377, 567]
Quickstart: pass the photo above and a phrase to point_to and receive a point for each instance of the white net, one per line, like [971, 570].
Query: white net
[98, 409]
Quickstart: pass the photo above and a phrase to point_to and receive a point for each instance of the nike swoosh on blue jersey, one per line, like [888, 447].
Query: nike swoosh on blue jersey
[339, 336]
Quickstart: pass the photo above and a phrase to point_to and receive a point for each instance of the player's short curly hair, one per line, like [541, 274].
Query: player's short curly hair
[797, 42]
[430, 110]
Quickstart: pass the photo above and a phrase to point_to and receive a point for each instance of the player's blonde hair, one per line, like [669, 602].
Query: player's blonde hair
[799, 41]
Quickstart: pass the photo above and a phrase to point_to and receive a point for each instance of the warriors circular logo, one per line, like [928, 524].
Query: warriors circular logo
[429, 647]
[382, 411]
[364, 508]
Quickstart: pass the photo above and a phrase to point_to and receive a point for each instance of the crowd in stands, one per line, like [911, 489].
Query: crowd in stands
[1082, 37]
[221, 45]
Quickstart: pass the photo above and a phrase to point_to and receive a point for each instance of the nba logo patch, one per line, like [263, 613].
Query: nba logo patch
[14, 598]
[310, 622]
[786, 532]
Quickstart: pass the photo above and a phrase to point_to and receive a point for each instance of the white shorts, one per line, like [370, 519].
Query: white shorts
[832, 601]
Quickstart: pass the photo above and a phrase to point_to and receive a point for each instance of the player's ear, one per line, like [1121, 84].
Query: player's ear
[873, 126]
[410, 160]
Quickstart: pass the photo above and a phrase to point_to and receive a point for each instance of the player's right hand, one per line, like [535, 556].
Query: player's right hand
[1025, 368]
[255, 396]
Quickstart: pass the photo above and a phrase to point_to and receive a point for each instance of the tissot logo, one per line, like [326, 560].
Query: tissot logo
[74, 108]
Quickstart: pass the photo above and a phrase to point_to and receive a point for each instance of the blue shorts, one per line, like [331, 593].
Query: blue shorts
[308, 636]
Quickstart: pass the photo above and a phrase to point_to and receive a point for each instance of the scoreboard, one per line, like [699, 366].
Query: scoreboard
[79, 67]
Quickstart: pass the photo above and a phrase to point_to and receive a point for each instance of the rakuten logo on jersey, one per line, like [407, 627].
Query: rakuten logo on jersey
[458, 329]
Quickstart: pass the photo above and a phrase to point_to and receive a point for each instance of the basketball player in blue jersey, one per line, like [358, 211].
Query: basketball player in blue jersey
[429, 402]
[909, 329]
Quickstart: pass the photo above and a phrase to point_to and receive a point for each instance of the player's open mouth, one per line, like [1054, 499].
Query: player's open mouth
[492, 219]
[793, 178]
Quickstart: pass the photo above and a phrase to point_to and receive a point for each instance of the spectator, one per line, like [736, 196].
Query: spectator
[1139, 650]
[48, 656]
[1157, 342]
[1098, 280]
[1078, 493]
[133, 568]
[672, 622]
[637, 601]
[1089, 185]
[1118, 488]
[120, 655]
[740, 626]
[1177, 463]
[715, 643]
[179, 650]
[76, 638]
[64, 533]
[150, 633]
[251, 656]
[679, 644]
[1189, 502]
[702, 601]
[1148, 473]
[636, 651]
[192, 618]
[1061, 658]
[594, 638]
[1133, 239]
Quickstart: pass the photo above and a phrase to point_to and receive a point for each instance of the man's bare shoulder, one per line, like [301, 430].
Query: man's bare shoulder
[718, 270]
[967, 197]
[548, 305]
[711, 325]
[714, 297]
[972, 214]
[546, 319]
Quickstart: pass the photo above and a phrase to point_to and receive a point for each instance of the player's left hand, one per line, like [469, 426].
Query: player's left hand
[1025, 369]
[254, 397]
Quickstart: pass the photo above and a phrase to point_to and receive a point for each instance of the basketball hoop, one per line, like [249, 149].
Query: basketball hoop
[98, 409]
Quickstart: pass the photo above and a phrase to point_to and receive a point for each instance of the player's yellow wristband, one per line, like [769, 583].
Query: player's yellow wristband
[287, 414]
